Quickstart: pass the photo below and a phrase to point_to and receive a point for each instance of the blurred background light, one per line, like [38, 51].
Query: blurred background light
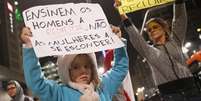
[100, 70]
[198, 29]
[188, 45]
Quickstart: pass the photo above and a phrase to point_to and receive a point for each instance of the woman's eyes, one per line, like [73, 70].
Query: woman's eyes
[155, 27]
[78, 67]
[75, 67]
[87, 66]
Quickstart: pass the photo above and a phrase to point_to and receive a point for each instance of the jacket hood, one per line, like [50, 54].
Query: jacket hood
[64, 64]
[19, 91]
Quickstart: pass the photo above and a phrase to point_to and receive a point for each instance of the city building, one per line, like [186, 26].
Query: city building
[10, 52]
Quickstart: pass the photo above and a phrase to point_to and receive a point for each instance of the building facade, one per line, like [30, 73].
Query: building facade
[10, 52]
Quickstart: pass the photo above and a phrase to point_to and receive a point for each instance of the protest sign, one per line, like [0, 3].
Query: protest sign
[128, 6]
[69, 29]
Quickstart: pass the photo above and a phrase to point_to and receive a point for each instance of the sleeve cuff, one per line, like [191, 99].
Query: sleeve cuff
[26, 46]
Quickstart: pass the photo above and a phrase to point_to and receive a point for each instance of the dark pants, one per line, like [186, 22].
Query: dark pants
[180, 90]
[189, 95]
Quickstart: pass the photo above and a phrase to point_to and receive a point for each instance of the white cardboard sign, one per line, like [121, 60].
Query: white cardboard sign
[69, 29]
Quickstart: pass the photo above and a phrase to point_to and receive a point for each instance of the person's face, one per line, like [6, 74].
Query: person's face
[11, 89]
[81, 69]
[155, 31]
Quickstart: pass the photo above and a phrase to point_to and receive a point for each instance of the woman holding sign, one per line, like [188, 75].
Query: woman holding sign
[171, 75]
[78, 73]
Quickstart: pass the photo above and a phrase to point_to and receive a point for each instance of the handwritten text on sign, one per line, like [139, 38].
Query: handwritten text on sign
[134, 5]
[69, 29]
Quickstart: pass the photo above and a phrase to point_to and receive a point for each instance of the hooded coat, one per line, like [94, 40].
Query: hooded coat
[64, 64]
[49, 90]
[19, 92]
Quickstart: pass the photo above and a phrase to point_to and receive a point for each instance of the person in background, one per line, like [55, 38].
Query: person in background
[193, 62]
[167, 62]
[15, 91]
[3, 94]
[195, 57]
[195, 67]
[78, 73]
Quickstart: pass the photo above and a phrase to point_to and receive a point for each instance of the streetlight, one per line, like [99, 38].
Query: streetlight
[16, 3]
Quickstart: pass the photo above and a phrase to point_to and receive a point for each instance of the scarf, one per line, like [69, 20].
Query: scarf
[88, 91]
